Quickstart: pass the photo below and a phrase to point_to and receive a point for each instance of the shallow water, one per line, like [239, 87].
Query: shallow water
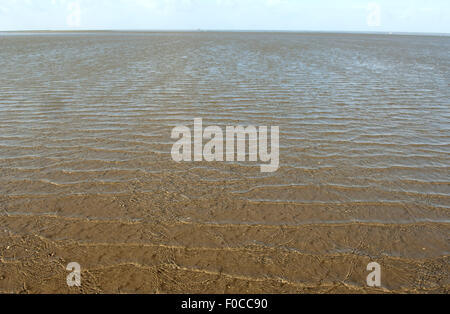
[87, 175]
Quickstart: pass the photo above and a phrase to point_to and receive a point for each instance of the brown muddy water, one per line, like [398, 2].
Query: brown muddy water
[86, 173]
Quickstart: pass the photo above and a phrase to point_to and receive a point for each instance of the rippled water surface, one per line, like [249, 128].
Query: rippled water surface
[87, 175]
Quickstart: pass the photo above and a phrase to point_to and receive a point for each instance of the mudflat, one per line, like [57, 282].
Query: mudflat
[86, 173]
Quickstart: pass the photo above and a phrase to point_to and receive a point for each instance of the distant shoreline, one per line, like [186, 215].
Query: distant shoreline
[90, 31]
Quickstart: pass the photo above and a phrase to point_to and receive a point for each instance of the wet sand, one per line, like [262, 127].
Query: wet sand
[86, 173]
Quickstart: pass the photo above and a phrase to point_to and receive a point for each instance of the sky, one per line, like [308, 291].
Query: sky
[423, 16]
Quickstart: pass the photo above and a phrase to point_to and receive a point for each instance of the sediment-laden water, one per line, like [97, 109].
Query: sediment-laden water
[86, 173]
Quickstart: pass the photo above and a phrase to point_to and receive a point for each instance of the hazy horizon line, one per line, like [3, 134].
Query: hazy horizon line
[222, 31]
